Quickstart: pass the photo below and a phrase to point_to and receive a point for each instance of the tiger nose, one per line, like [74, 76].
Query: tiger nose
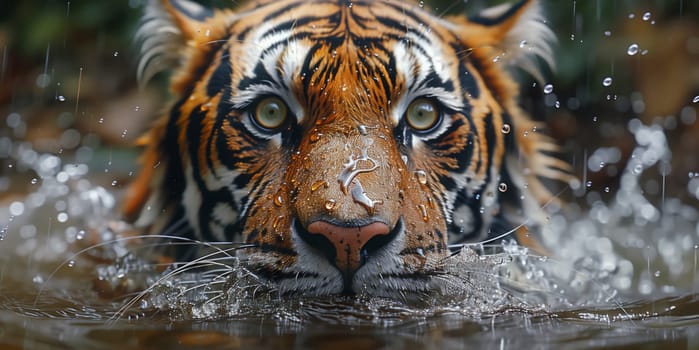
[350, 242]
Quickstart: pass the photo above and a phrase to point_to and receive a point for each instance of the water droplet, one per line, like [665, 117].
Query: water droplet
[80, 235]
[421, 177]
[632, 50]
[38, 279]
[632, 15]
[71, 263]
[548, 88]
[607, 81]
[34, 181]
[421, 4]
[505, 128]
[136, 108]
[116, 53]
[423, 211]
[502, 187]
[637, 169]
[114, 183]
[318, 184]
[278, 200]
[277, 221]
[606, 189]
[315, 137]
[646, 16]
[695, 99]
[62, 217]
[607, 33]
[523, 43]
[123, 133]
[588, 184]
[657, 274]
[330, 204]
[101, 121]
[61, 98]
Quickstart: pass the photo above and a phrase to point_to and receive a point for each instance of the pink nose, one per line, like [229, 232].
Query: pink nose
[348, 242]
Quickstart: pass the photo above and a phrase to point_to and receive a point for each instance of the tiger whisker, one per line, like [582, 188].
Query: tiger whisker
[187, 266]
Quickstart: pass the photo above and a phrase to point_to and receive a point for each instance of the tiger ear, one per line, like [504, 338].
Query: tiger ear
[514, 34]
[168, 27]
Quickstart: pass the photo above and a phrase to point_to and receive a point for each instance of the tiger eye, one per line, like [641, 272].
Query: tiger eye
[422, 114]
[271, 113]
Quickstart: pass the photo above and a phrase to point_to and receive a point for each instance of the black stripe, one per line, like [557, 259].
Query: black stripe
[466, 80]
[221, 77]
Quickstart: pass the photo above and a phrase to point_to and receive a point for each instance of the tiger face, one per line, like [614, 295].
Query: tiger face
[348, 143]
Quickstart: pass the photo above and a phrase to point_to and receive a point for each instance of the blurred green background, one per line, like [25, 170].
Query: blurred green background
[67, 80]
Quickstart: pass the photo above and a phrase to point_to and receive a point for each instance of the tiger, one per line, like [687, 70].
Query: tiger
[350, 145]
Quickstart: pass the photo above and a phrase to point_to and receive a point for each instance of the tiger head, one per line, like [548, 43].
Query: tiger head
[347, 143]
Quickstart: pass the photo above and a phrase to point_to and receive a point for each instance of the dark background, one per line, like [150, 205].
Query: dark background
[67, 82]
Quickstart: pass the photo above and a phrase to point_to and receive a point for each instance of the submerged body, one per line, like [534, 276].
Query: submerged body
[348, 143]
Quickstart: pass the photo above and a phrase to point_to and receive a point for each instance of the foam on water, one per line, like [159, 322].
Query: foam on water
[604, 255]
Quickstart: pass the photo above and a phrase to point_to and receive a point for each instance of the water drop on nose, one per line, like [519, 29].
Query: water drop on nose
[277, 221]
[607, 81]
[318, 184]
[421, 177]
[71, 263]
[695, 99]
[632, 50]
[278, 200]
[505, 128]
[646, 16]
[423, 211]
[330, 204]
[548, 88]
[502, 187]
[34, 181]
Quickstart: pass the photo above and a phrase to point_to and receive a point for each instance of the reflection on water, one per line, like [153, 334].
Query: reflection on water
[621, 272]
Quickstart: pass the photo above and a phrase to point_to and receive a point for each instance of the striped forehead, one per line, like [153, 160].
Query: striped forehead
[275, 52]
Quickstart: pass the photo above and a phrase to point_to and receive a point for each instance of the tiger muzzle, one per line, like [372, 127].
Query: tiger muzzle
[347, 202]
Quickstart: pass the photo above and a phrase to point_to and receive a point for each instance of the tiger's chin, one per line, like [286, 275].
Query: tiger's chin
[387, 268]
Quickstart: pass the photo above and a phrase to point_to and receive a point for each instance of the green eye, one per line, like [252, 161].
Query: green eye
[271, 113]
[422, 114]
